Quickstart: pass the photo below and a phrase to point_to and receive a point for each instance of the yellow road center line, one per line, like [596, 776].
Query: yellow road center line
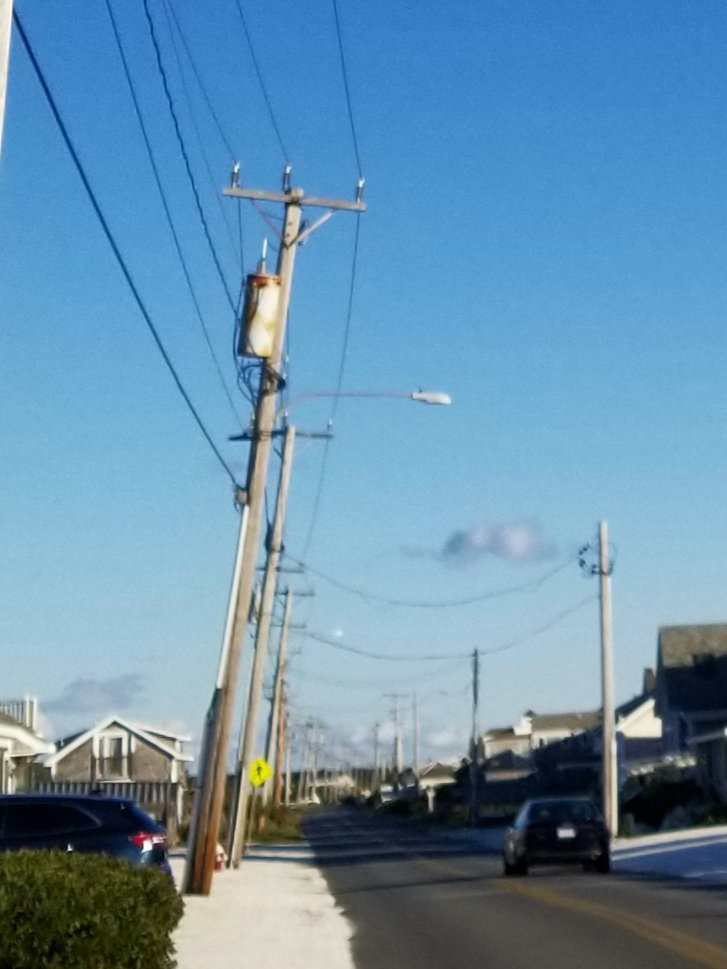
[672, 940]
[676, 942]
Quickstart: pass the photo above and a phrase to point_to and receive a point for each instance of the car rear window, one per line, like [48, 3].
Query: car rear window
[35, 818]
[563, 811]
[124, 816]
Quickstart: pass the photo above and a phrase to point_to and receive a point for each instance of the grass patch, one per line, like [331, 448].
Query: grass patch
[279, 824]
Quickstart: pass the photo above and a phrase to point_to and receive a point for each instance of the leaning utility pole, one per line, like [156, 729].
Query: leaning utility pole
[210, 793]
[248, 735]
[6, 21]
[609, 767]
[272, 742]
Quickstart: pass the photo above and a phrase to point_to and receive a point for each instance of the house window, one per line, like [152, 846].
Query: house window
[113, 761]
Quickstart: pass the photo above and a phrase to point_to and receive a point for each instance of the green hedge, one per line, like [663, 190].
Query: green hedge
[84, 911]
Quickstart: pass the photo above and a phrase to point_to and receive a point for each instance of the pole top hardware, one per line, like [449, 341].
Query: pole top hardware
[295, 196]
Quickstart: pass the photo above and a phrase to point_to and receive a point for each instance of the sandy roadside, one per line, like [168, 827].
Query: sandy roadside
[275, 911]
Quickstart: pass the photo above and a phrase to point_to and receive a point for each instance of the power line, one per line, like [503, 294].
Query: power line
[185, 156]
[261, 82]
[346, 88]
[167, 210]
[224, 210]
[518, 641]
[339, 384]
[395, 657]
[508, 644]
[112, 242]
[381, 682]
[371, 597]
[203, 89]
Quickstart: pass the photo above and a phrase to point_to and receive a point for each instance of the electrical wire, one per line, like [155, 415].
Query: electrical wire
[224, 209]
[203, 89]
[507, 645]
[263, 88]
[372, 598]
[167, 210]
[380, 683]
[395, 657]
[185, 156]
[318, 498]
[114, 246]
[518, 641]
[347, 88]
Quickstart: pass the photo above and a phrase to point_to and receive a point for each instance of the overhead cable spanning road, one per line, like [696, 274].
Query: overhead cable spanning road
[421, 900]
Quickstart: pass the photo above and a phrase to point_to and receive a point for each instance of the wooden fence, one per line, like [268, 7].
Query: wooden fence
[162, 799]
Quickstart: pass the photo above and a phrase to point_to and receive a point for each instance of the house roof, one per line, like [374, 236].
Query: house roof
[679, 645]
[693, 667]
[565, 721]
[69, 744]
[28, 740]
[500, 733]
[438, 767]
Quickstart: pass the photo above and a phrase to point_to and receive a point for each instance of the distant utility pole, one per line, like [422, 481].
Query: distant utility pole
[415, 733]
[274, 733]
[288, 745]
[209, 796]
[6, 22]
[248, 734]
[609, 766]
[474, 737]
[398, 765]
[376, 776]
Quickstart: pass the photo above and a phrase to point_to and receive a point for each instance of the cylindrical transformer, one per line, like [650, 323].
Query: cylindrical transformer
[259, 315]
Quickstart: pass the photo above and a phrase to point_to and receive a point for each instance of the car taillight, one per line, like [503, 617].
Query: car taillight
[145, 840]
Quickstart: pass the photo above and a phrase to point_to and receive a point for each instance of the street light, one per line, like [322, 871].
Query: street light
[423, 396]
[248, 732]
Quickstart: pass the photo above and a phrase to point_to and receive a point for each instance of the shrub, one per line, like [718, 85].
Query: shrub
[81, 911]
[279, 824]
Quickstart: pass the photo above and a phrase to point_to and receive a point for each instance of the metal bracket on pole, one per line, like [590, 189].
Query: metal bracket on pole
[295, 195]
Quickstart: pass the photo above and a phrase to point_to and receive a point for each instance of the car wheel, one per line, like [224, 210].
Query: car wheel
[603, 863]
[507, 868]
[521, 866]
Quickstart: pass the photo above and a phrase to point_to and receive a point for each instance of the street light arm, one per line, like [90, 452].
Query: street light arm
[423, 396]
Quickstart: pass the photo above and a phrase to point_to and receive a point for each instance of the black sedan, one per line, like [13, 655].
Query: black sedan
[554, 830]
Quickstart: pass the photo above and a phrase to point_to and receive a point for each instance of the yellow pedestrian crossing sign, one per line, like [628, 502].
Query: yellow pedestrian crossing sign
[259, 771]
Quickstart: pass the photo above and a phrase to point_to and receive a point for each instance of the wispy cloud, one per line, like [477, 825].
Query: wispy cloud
[87, 695]
[513, 541]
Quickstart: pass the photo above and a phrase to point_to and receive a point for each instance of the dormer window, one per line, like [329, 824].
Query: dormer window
[113, 757]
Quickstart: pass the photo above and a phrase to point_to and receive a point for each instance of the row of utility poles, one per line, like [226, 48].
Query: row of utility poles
[270, 314]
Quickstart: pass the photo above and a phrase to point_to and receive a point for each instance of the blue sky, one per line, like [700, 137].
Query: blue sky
[544, 240]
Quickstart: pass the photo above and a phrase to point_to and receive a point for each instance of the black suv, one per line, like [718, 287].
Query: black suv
[68, 822]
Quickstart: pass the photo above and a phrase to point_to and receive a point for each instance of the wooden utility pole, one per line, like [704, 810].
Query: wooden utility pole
[474, 738]
[281, 750]
[415, 734]
[376, 777]
[248, 734]
[213, 773]
[609, 767]
[6, 22]
[272, 745]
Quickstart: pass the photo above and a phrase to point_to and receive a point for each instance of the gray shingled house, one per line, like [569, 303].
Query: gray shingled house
[691, 698]
[123, 759]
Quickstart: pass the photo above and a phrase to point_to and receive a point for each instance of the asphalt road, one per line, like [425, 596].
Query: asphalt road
[425, 902]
